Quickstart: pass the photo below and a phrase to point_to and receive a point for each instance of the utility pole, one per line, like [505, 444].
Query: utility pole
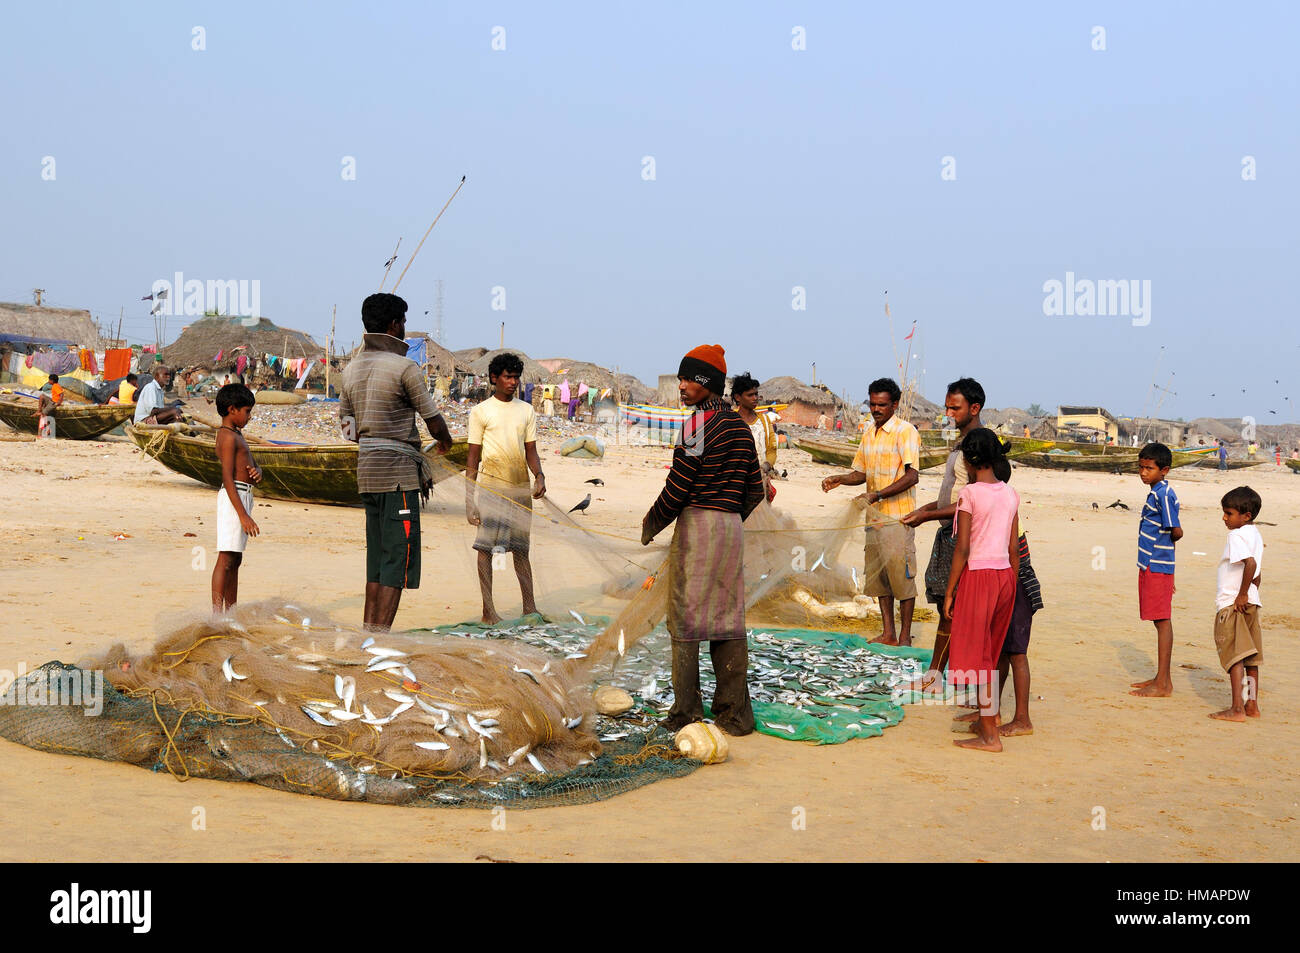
[439, 334]
[329, 349]
[120, 314]
[36, 293]
[503, 334]
[814, 380]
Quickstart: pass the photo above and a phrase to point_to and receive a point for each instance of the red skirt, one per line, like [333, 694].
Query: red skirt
[981, 614]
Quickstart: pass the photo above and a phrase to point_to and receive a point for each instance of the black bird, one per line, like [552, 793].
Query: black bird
[596, 480]
[783, 476]
[583, 505]
[389, 263]
[1095, 506]
[1117, 503]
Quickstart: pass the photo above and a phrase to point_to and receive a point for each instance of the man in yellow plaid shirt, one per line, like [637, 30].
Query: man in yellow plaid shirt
[887, 462]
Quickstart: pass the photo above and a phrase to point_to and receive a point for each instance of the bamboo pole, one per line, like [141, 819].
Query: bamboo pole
[426, 234]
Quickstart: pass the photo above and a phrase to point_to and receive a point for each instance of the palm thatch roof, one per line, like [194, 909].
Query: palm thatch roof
[55, 324]
[201, 341]
[787, 390]
[469, 355]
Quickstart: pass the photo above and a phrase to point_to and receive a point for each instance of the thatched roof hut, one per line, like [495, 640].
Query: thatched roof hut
[48, 324]
[201, 341]
[583, 372]
[469, 355]
[806, 403]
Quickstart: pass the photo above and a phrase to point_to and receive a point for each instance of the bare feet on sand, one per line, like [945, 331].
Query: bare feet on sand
[1229, 714]
[1142, 684]
[883, 640]
[978, 743]
[490, 618]
[1012, 728]
[1154, 690]
[1252, 709]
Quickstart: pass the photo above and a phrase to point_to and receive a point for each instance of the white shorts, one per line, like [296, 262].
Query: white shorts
[231, 537]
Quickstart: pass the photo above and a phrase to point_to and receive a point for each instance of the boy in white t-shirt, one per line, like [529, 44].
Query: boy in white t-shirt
[1236, 625]
[502, 451]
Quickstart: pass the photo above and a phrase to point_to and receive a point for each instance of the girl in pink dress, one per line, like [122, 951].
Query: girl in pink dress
[985, 562]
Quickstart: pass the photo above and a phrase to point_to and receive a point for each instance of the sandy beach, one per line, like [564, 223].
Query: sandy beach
[1170, 783]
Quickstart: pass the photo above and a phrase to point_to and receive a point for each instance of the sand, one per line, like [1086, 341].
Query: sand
[1169, 783]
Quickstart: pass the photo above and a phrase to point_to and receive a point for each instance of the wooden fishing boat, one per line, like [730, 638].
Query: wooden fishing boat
[311, 473]
[72, 421]
[1123, 460]
[1293, 464]
[840, 453]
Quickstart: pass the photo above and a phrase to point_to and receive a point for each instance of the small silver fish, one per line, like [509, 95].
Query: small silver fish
[383, 665]
[517, 754]
[532, 759]
[231, 674]
[789, 728]
[581, 620]
[576, 655]
[820, 560]
[342, 715]
[368, 642]
[482, 753]
[380, 652]
[433, 745]
[319, 719]
[622, 644]
[399, 697]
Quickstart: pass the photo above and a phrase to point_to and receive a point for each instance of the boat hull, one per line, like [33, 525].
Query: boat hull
[323, 473]
[71, 421]
[840, 453]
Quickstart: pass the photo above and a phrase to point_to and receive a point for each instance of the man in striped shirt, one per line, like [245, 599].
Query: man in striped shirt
[1158, 530]
[382, 393]
[715, 482]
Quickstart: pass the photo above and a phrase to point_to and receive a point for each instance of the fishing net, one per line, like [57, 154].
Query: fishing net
[492, 714]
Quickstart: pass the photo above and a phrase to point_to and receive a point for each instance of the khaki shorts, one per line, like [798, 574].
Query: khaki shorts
[1237, 637]
[889, 562]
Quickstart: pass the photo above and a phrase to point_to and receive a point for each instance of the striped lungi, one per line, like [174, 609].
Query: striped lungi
[706, 594]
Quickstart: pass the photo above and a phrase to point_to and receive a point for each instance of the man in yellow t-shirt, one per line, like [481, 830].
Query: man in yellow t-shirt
[126, 390]
[887, 461]
[502, 451]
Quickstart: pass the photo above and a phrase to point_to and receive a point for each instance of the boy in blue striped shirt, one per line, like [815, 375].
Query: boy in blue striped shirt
[1158, 530]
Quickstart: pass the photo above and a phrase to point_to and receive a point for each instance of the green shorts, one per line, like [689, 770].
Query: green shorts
[393, 538]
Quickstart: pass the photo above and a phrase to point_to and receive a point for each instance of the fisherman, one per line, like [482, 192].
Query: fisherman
[151, 402]
[888, 461]
[502, 451]
[962, 405]
[714, 484]
[744, 394]
[381, 394]
[47, 404]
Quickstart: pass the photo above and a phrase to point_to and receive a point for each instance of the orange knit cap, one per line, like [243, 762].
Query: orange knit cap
[711, 354]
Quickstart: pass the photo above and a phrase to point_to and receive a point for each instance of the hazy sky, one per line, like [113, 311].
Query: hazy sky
[774, 167]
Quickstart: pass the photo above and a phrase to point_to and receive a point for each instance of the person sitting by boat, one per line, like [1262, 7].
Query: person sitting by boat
[382, 393]
[127, 390]
[151, 405]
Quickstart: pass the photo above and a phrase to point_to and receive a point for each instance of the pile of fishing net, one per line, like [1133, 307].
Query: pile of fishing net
[285, 697]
